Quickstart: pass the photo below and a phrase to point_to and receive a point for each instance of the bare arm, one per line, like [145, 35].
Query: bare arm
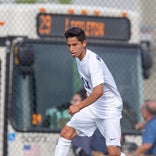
[96, 94]
[141, 150]
[140, 125]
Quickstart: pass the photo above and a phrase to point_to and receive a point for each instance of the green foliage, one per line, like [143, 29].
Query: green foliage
[26, 1]
[65, 1]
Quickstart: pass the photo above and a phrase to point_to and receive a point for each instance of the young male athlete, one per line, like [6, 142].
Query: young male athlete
[103, 105]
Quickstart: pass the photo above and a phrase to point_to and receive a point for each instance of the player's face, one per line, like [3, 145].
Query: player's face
[76, 99]
[76, 48]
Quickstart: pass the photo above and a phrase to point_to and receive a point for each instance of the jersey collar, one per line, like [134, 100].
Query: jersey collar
[84, 59]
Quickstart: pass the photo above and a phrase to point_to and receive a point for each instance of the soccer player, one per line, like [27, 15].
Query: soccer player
[103, 105]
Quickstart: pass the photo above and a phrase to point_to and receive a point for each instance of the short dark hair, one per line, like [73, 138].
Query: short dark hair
[75, 32]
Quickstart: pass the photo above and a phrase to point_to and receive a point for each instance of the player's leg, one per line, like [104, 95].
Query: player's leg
[68, 132]
[81, 123]
[113, 151]
[64, 142]
[110, 129]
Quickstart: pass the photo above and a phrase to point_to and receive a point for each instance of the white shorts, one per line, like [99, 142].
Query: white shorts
[85, 123]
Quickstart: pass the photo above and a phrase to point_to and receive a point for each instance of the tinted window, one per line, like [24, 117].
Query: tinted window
[124, 63]
[44, 85]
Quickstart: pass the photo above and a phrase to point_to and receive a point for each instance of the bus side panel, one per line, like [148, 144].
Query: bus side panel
[35, 144]
[2, 94]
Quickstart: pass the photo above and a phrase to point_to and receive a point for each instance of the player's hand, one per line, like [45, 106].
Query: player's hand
[73, 109]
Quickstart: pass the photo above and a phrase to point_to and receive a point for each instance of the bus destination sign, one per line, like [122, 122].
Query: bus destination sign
[97, 27]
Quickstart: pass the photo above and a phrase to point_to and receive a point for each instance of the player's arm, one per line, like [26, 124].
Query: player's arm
[97, 79]
[96, 94]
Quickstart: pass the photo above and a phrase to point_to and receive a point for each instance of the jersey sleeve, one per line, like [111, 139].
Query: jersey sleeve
[96, 72]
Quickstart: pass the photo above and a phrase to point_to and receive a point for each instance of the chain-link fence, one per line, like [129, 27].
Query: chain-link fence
[43, 76]
[19, 18]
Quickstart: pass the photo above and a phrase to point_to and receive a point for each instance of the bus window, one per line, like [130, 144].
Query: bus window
[124, 62]
[44, 85]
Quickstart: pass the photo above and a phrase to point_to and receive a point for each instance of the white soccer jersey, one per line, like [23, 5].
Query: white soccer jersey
[93, 71]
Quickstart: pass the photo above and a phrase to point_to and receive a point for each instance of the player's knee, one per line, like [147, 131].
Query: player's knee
[68, 132]
[113, 151]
